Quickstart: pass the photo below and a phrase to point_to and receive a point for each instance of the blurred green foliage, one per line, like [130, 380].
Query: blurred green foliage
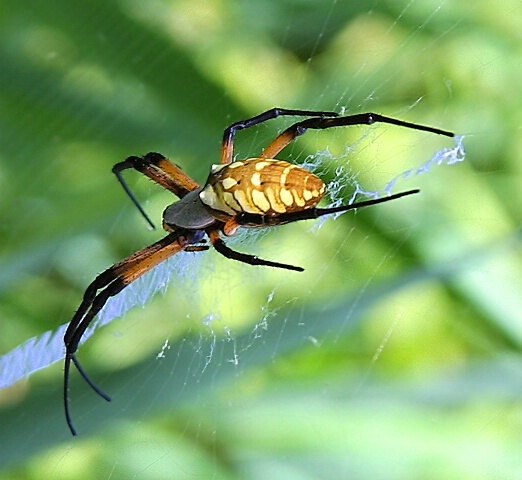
[395, 355]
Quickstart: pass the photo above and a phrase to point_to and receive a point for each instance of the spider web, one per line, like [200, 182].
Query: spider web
[241, 372]
[40, 352]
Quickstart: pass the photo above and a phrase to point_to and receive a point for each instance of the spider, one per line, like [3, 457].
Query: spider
[257, 192]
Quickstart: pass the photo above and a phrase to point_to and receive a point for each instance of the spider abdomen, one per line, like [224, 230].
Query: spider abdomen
[261, 186]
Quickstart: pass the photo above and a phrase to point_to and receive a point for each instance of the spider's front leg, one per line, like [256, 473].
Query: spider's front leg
[161, 171]
[106, 285]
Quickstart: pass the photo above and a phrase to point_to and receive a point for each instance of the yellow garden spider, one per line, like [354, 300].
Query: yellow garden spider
[257, 192]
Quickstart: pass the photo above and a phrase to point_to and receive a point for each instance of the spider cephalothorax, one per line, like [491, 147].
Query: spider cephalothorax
[257, 192]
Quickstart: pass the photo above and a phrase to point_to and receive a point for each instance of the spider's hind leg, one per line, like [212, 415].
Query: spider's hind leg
[227, 146]
[227, 252]
[256, 220]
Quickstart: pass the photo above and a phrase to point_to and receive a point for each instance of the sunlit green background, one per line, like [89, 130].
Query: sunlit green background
[395, 355]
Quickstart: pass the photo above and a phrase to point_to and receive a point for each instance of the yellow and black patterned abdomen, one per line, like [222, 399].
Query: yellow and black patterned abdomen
[261, 186]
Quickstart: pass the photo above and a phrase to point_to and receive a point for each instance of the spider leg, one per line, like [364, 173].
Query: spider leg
[227, 252]
[106, 285]
[160, 170]
[253, 220]
[282, 140]
[68, 359]
[227, 146]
